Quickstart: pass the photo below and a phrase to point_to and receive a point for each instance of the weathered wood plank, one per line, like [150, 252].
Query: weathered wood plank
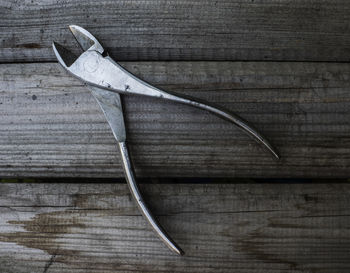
[223, 228]
[51, 126]
[181, 30]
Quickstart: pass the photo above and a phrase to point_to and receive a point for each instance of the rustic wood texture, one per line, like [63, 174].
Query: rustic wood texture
[223, 228]
[181, 30]
[51, 125]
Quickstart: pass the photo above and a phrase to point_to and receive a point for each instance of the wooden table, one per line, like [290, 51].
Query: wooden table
[282, 65]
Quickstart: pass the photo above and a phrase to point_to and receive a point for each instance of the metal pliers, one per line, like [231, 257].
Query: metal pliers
[107, 79]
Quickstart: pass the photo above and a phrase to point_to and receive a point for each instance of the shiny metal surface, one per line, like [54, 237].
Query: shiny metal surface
[85, 39]
[130, 177]
[111, 106]
[106, 79]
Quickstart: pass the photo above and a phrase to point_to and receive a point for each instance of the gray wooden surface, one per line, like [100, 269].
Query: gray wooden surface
[281, 65]
[52, 126]
[181, 30]
[223, 228]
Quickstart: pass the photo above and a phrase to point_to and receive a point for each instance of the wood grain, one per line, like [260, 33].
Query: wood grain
[223, 228]
[181, 30]
[51, 126]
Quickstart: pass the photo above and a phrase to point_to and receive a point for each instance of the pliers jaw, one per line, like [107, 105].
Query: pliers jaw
[65, 57]
[86, 41]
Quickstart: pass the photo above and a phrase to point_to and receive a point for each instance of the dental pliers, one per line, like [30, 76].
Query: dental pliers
[106, 79]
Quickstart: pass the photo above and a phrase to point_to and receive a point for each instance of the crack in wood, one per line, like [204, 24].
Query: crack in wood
[49, 263]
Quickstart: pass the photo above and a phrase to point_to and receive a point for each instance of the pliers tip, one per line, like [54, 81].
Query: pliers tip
[85, 39]
[63, 55]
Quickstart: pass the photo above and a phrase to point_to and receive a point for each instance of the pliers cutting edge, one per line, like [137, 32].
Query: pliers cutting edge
[107, 79]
